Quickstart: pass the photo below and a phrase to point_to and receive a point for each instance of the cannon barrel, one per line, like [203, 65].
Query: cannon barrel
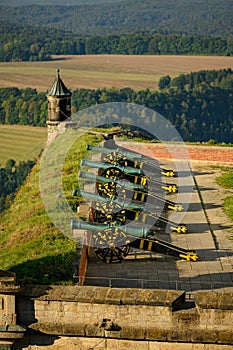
[133, 209]
[131, 186]
[93, 226]
[95, 197]
[122, 182]
[143, 162]
[105, 150]
[104, 166]
[135, 172]
[136, 237]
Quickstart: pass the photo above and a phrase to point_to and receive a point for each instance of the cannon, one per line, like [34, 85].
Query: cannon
[112, 242]
[124, 189]
[132, 159]
[134, 175]
[113, 209]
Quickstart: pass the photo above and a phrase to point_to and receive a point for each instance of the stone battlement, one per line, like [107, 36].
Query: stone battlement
[130, 314]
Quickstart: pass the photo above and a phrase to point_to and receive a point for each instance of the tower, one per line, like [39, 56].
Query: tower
[59, 104]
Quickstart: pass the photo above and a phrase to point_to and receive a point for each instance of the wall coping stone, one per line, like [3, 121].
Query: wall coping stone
[106, 295]
[214, 300]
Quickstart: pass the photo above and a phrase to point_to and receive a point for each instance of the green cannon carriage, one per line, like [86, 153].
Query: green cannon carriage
[126, 190]
[113, 209]
[112, 242]
[131, 159]
[134, 175]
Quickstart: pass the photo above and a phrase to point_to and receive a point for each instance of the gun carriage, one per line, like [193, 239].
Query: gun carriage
[132, 159]
[129, 192]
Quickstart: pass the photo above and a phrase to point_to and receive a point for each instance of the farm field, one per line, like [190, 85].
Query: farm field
[98, 71]
[21, 143]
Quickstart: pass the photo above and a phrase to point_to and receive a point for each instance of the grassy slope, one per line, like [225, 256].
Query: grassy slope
[21, 142]
[30, 245]
[226, 181]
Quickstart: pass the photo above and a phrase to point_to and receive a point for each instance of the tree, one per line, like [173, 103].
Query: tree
[10, 164]
[164, 82]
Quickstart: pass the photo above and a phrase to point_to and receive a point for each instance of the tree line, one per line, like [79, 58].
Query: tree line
[199, 104]
[12, 177]
[26, 43]
[193, 17]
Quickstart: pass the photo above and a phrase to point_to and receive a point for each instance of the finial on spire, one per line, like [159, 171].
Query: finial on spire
[58, 70]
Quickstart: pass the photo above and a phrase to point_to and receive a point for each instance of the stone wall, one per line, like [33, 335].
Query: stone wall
[9, 329]
[106, 318]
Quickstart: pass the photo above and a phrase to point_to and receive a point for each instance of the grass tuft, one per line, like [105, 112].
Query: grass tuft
[226, 181]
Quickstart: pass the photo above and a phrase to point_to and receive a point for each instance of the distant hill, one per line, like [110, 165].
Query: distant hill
[196, 17]
[53, 2]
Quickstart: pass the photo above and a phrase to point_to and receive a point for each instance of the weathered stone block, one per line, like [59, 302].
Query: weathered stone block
[85, 294]
[156, 334]
[226, 337]
[113, 296]
[99, 295]
[75, 329]
[132, 333]
[181, 335]
[175, 298]
[214, 300]
[54, 328]
[205, 336]
[94, 330]
[129, 296]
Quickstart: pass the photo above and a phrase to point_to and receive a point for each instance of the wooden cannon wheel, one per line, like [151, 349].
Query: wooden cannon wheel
[111, 245]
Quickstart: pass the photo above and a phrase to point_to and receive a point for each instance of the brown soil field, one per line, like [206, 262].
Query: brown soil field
[98, 71]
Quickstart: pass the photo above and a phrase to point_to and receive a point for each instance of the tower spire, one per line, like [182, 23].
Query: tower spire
[59, 103]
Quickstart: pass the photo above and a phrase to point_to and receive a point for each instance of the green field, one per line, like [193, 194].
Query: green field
[100, 71]
[21, 143]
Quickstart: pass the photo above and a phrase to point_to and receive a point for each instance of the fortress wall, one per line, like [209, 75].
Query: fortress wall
[111, 318]
[81, 343]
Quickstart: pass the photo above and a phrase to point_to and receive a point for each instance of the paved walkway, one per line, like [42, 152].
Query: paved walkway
[213, 270]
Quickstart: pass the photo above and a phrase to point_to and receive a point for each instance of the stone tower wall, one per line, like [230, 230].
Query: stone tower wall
[59, 108]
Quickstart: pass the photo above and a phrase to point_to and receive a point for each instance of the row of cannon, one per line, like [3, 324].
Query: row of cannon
[129, 205]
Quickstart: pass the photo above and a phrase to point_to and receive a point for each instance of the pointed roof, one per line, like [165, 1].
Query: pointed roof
[58, 88]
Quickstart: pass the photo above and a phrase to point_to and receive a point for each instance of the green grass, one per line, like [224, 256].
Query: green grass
[21, 143]
[228, 207]
[30, 244]
[226, 181]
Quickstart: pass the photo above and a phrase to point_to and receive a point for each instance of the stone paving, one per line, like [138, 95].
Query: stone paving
[140, 269]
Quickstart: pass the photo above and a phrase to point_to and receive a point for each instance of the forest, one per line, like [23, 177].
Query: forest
[193, 17]
[199, 105]
[12, 177]
[26, 43]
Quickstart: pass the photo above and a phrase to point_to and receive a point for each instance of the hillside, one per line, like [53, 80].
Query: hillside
[196, 17]
[30, 245]
[53, 2]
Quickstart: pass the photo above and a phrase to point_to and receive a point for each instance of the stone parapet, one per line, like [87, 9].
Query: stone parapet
[214, 300]
[136, 314]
